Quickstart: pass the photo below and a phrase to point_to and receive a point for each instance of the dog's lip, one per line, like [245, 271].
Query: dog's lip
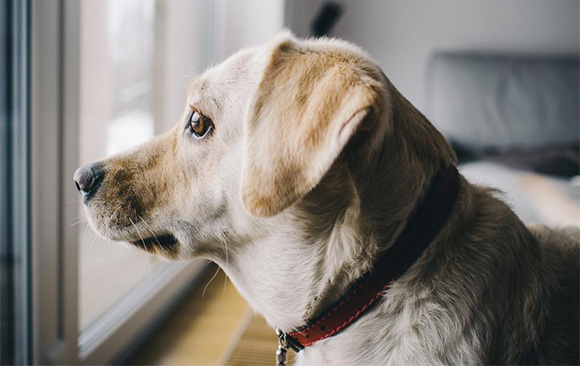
[165, 240]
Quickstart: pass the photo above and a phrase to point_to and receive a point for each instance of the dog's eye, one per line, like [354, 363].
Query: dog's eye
[199, 125]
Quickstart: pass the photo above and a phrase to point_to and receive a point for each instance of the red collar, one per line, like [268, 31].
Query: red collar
[416, 237]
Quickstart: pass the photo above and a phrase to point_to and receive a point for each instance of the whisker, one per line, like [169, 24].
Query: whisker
[82, 219]
[138, 233]
[148, 227]
[95, 237]
[85, 235]
[85, 232]
[111, 217]
[148, 256]
[227, 267]
[210, 281]
[149, 265]
[159, 247]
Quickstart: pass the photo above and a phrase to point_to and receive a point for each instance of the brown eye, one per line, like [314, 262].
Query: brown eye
[198, 124]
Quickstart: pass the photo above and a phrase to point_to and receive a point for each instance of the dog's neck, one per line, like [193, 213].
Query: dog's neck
[290, 275]
[317, 249]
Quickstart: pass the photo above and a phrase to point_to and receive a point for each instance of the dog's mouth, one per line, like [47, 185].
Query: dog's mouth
[163, 241]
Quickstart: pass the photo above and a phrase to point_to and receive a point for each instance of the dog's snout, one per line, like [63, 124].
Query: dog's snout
[87, 179]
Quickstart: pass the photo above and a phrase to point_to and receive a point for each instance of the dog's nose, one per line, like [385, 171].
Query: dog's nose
[87, 178]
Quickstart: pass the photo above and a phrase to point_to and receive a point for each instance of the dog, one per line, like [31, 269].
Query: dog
[295, 166]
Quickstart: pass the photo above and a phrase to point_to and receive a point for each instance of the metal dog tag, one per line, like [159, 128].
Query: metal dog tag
[282, 352]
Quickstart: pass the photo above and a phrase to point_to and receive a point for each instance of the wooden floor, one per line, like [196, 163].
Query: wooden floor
[257, 345]
[217, 328]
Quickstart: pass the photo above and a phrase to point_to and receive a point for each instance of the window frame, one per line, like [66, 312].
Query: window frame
[15, 332]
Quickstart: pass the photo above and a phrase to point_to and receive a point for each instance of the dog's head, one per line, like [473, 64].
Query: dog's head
[259, 132]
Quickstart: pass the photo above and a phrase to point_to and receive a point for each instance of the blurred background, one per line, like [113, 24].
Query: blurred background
[82, 79]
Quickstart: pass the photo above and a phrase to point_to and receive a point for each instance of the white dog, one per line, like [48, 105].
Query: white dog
[296, 167]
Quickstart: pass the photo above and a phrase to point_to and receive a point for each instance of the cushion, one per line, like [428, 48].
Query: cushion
[496, 101]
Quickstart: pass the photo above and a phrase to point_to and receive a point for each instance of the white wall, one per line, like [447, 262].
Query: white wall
[182, 50]
[402, 34]
[246, 23]
[194, 34]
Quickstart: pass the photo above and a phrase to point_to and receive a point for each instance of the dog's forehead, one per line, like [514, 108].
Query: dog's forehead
[239, 73]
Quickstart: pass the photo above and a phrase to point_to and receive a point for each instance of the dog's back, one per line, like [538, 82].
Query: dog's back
[561, 251]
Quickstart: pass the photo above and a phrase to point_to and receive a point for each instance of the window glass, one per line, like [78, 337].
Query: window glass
[117, 112]
[136, 60]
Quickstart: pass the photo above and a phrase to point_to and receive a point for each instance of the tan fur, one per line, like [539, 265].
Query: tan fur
[315, 165]
[305, 110]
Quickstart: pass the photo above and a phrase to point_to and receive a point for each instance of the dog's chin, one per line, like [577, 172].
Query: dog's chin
[160, 243]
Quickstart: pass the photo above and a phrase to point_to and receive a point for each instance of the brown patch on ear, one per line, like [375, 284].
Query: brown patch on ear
[306, 108]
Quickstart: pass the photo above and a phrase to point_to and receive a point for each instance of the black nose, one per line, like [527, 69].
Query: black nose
[87, 179]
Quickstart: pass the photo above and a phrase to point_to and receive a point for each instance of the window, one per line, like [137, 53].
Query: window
[112, 74]
[99, 76]
[117, 70]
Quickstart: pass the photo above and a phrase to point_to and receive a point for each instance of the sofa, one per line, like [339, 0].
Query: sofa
[513, 121]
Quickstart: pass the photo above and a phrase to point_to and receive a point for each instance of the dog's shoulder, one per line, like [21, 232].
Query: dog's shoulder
[560, 249]
[561, 254]
[564, 239]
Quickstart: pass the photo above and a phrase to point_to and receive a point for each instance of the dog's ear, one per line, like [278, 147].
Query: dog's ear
[304, 111]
